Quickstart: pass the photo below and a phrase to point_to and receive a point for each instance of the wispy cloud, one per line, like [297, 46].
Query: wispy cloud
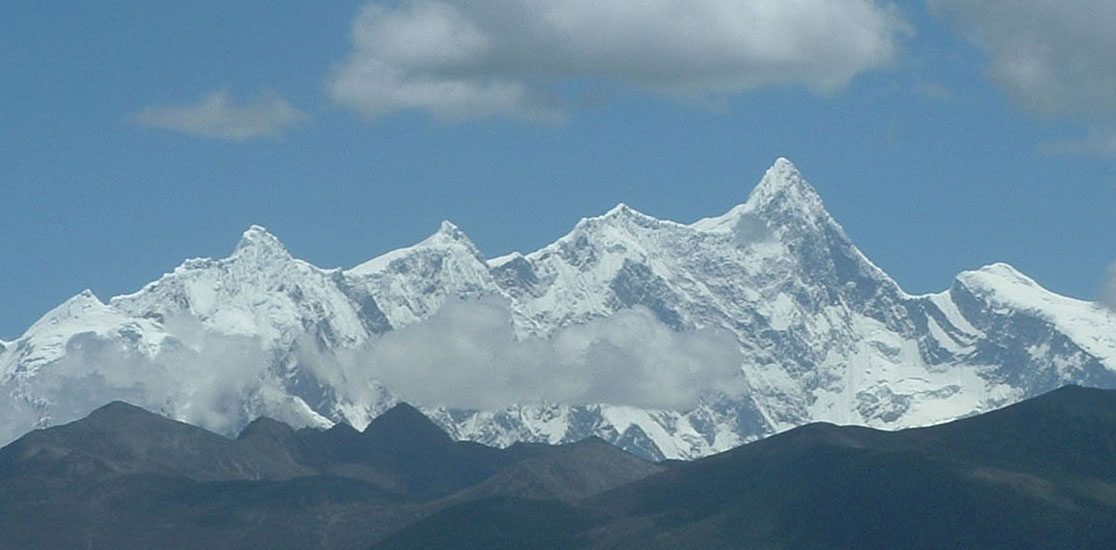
[218, 115]
[1097, 143]
[474, 58]
[935, 91]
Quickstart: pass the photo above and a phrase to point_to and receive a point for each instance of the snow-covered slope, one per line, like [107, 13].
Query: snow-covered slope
[48, 340]
[823, 333]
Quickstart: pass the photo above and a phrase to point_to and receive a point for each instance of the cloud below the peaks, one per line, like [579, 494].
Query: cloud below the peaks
[466, 355]
[204, 379]
[459, 59]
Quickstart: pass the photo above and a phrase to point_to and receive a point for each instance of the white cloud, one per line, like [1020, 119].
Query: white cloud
[1053, 58]
[474, 58]
[218, 115]
[1108, 288]
[204, 379]
[467, 356]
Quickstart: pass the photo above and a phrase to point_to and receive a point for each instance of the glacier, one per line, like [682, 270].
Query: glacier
[822, 333]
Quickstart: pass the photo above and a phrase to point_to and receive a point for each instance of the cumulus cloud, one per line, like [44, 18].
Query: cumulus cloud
[1053, 58]
[218, 115]
[467, 356]
[474, 58]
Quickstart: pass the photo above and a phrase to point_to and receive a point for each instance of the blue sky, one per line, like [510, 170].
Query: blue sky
[943, 135]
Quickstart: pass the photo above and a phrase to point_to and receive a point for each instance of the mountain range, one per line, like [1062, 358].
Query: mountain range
[1037, 474]
[669, 340]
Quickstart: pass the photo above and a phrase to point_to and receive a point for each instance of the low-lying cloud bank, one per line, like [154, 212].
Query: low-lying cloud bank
[460, 59]
[467, 356]
[204, 379]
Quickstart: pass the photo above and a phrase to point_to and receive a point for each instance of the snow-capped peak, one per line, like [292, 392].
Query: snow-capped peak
[782, 196]
[448, 233]
[783, 188]
[501, 260]
[1000, 280]
[447, 237]
[621, 209]
[621, 216]
[1004, 288]
[624, 212]
[999, 271]
[260, 245]
[1000, 283]
[46, 340]
[78, 305]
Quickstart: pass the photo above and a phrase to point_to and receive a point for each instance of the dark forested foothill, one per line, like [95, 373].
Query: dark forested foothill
[1039, 474]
